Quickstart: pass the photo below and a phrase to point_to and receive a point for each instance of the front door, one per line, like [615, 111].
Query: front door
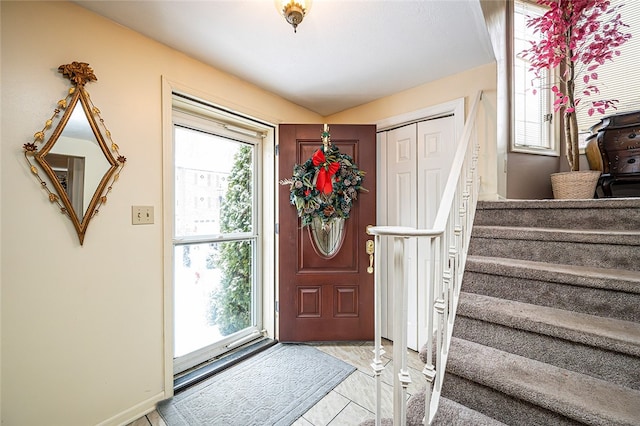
[326, 297]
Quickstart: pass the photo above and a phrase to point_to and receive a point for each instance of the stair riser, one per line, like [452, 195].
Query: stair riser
[611, 219]
[593, 301]
[603, 364]
[502, 407]
[570, 253]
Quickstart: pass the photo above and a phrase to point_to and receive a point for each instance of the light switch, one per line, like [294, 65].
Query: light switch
[141, 215]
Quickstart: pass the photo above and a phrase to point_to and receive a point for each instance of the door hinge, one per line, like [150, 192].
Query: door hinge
[277, 228]
[277, 150]
[547, 117]
[277, 306]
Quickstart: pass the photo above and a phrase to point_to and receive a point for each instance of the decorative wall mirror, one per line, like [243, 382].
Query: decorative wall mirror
[76, 158]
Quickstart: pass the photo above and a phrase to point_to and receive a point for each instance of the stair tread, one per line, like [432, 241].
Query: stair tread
[452, 413]
[571, 394]
[606, 278]
[602, 203]
[614, 214]
[449, 413]
[615, 237]
[609, 333]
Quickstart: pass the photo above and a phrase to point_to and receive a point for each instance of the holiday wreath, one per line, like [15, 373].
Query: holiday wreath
[326, 185]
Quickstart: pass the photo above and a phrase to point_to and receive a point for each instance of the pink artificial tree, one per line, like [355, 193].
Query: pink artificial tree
[577, 36]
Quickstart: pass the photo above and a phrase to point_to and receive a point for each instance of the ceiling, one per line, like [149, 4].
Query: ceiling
[344, 54]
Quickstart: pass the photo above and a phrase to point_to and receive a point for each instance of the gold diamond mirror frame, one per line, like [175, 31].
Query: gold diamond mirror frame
[80, 160]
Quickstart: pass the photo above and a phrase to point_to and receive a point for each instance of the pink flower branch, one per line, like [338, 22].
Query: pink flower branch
[577, 37]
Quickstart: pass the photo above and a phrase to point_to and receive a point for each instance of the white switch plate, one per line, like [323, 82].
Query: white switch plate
[141, 215]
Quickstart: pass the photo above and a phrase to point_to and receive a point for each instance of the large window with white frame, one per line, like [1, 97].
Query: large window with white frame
[532, 112]
[216, 231]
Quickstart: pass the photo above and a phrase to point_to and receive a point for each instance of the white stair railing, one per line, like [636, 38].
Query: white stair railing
[449, 241]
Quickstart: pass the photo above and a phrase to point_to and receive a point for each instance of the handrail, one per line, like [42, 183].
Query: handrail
[449, 240]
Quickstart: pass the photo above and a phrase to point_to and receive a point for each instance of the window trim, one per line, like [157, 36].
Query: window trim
[554, 149]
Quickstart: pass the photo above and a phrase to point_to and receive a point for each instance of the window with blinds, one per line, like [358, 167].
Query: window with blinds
[618, 79]
[532, 113]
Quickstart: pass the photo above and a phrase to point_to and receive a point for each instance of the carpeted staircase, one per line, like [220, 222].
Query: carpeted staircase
[548, 324]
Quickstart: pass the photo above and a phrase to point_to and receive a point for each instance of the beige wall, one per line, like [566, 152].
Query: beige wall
[462, 85]
[82, 327]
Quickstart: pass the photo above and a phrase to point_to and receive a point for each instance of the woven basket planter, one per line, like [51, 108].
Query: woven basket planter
[575, 185]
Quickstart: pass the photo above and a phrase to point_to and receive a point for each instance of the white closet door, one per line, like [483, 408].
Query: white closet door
[402, 211]
[436, 147]
[418, 159]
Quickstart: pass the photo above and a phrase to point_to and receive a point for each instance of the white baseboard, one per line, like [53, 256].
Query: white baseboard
[135, 412]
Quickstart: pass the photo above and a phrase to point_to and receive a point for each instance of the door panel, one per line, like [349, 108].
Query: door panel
[346, 260]
[402, 184]
[326, 299]
[435, 152]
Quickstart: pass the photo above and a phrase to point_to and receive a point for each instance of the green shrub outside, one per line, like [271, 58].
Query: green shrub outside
[231, 304]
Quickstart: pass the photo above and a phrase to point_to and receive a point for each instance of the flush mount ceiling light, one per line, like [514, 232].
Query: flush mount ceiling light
[293, 11]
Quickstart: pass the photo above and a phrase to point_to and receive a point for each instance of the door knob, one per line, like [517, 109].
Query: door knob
[370, 249]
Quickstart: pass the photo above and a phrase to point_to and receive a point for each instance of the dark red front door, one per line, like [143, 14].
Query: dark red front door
[326, 299]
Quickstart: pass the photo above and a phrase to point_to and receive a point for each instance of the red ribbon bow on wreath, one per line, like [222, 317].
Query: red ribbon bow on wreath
[323, 184]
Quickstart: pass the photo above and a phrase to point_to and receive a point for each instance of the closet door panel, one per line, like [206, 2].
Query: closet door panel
[402, 197]
[435, 150]
[418, 160]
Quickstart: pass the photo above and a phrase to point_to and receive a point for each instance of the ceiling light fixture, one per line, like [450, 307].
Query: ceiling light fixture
[293, 11]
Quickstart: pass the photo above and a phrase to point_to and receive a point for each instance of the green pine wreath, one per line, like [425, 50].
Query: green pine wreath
[325, 186]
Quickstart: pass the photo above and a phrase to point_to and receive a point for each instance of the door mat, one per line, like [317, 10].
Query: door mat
[210, 369]
[274, 387]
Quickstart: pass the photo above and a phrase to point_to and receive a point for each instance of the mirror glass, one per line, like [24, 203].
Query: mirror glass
[78, 162]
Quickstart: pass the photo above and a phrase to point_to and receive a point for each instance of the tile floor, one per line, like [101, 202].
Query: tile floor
[353, 400]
